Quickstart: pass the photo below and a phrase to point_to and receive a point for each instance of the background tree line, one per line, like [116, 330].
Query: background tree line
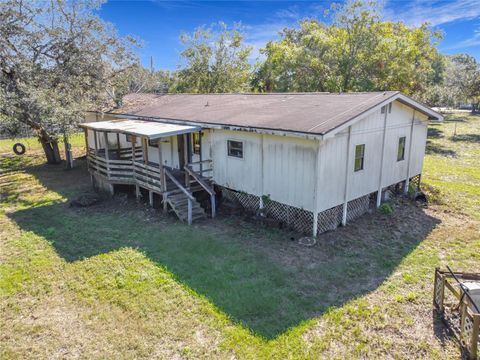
[56, 61]
[356, 51]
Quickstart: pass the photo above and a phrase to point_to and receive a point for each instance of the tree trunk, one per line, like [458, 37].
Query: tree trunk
[50, 148]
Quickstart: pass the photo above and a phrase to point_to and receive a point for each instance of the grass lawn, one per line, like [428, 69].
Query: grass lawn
[120, 280]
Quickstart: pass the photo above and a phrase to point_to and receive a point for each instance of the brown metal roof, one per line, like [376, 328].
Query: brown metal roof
[315, 113]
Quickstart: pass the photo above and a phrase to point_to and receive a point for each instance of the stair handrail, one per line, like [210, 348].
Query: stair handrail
[197, 177]
[175, 181]
[190, 197]
[208, 188]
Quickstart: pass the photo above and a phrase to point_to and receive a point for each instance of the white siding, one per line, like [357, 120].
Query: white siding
[287, 174]
[369, 131]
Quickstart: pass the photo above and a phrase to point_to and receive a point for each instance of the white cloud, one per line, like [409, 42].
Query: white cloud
[433, 12]
[474, 40]
[257, 36]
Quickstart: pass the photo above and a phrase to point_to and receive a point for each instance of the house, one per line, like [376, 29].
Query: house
[311, 160]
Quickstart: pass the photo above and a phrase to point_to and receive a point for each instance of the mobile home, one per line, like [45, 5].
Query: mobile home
[311, 160]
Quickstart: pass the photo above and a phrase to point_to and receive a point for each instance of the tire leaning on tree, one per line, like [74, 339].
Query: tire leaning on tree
[19, 148]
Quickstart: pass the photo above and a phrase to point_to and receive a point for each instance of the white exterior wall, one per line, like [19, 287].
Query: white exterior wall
[277, 166]
[369, 131]
[283, 167]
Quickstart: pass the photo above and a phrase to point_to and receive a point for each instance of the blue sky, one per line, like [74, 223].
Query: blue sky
[159, 23]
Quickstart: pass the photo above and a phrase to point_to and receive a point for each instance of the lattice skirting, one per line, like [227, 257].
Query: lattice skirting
[330, 219]
[247, 201]
[299, 219]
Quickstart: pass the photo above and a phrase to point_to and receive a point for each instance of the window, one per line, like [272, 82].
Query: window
[401, 148]
[129, 138]
[390, 108]
[153, 143]
[383, 109]
[196, 139]
[235, 148]
[359, 157]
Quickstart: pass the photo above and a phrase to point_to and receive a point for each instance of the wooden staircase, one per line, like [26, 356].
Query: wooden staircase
[178, 202]
[180, 198]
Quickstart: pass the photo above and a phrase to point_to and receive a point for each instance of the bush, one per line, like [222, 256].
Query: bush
[386, 209]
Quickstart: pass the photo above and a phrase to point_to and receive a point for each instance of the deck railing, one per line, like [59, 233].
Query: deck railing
[126, 171]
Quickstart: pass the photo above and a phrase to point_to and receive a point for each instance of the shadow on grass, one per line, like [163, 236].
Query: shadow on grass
[437, 149]
[471, 138]
[434, 133]
[255, 275]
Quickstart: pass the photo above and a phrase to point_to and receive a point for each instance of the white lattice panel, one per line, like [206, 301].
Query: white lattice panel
[298, 219]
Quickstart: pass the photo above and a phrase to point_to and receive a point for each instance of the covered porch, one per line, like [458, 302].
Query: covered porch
[164, 159]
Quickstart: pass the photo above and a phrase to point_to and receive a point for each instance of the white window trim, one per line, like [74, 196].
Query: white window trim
[243, 149]
[404, 148]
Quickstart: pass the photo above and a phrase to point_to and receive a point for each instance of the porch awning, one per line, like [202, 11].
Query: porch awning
[150, 129]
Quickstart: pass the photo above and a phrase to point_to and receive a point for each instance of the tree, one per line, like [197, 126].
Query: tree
[216, 61]
[463, 76]
[356, 52]
[56, 61]
[137, 79]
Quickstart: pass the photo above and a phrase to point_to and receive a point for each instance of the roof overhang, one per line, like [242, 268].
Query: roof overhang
[208, 125]
[149, 129]
[406, 100]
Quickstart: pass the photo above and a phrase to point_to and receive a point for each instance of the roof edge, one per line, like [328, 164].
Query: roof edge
[432, 115]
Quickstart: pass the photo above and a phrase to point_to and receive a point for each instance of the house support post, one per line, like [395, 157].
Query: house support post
[262, 172]
[161, 168]
[107, 155]
[118, 146]
[137, 188]
[95, 142]
[87, 153]
[384, 139]
[214, 206]
[410, 145]
[347, 178]
[186, 146]
[315, 190]
[189, 212]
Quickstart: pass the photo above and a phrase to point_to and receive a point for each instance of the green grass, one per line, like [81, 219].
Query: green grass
[453, 162]
[119, 280]
[32, 144]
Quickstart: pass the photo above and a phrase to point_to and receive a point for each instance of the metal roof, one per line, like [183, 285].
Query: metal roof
[311, 113]
[150, 129]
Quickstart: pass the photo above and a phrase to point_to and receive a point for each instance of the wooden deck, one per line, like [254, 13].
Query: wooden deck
[176, 187]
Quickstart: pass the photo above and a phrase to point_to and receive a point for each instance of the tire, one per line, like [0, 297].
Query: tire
[19, 149]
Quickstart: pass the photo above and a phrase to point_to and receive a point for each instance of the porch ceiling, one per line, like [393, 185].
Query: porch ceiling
[150, 129]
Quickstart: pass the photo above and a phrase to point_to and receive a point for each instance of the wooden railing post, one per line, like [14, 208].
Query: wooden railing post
[107, 155]
[214, 210]
[189, 211]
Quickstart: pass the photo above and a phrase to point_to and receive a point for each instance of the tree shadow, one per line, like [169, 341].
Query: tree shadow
[434, 133]
[437, 149]
[472, 138]
[257, 276]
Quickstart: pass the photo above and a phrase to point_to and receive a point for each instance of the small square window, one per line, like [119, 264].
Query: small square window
[401, 148]
[129, 138]
[359, 157]
[235, 148]
[196, 138]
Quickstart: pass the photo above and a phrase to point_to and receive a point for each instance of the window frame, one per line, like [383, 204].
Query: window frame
[230, 141]
[362, 157]
[404, 148]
